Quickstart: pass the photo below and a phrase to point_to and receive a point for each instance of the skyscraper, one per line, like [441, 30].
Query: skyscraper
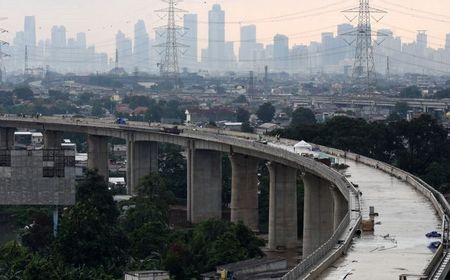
[327, 48]
[216, 37]
[58, 45]
[248, 46]
[447, 41]
[141, 52]
[124, 47]
[281, 53]
[422, 42]
[30, 36]
[190, 58]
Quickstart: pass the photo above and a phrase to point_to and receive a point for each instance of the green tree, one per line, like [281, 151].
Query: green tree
[242, 115]
[58, 95]
[411, 92]
[6, 98]
[266, 112]
[240, 99]
[147, 221]
[38, 235]
[24, 93]
[303, 116]
[173, 170]
[97, 110]
[89, 235]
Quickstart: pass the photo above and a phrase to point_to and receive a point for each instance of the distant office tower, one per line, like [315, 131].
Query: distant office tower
[81, 40]
[344, 28]
[422, 42]
[59, 52]
[447, 41]
[189, 59]
[229, 57]
[157, 53]
[343, 40]
[124, 48]
[299, 59]
[328, 45]
[248, 46]
[59, 37]
[281, 53]
[216, 37]
[30, 37]
[141, 52]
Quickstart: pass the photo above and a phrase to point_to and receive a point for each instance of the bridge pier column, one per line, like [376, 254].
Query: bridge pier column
[244, 190]
[142, 159]
[53, 139]
[98, 155]
[204, 182]
[318, 213]
[7, 138]
[282, 207]
[340, 205]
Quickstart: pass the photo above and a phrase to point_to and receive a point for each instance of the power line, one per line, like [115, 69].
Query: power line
[169, 64]
[364, 74]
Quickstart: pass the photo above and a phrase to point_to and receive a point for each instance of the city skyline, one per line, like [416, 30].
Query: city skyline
[403, 18]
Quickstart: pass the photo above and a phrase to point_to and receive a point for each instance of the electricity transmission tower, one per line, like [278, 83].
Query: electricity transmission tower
[3, 55]
[364, 74]
[169, 67]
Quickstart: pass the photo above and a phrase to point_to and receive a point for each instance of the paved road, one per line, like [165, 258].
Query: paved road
[398, 244]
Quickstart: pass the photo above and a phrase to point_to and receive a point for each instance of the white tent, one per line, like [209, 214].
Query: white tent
[302, 146]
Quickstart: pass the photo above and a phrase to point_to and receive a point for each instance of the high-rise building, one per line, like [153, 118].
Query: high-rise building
[59, 37]
[422, 42]
[281, 53]
[30, 37]
[59, 54]
[248, 46]
[189, 59]
[124, 47]
[141, 51]
[216, 37]
[30, 30]
[327, 55]
[447, 41]
[81, 40]
[229, 58]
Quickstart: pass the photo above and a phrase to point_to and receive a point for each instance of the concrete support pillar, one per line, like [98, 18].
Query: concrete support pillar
[98, 155]
[282, 207]
[7, 138]
[53, 139]
[340, 205]
[204, 185]
[142, 159]
[318, 213]
[244, 190]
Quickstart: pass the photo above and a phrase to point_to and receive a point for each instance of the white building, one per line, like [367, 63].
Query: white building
[147, 275]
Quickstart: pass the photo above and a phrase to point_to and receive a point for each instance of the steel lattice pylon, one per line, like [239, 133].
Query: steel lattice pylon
[364, 74]
[2, 55]
[169, 67]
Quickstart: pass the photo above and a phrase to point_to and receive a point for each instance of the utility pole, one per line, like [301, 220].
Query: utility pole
[251, 86]
[266, 79]
[169, 67]
[116, 69]
[26, 68]
[388, 69]
[364, 75]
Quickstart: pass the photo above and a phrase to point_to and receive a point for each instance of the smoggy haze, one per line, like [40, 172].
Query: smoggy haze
[102, 18]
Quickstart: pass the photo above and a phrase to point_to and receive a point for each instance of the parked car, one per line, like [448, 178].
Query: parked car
[434, 245]
[433, 234]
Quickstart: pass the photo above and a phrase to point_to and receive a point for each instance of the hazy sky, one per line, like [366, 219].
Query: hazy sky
[101, 19]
